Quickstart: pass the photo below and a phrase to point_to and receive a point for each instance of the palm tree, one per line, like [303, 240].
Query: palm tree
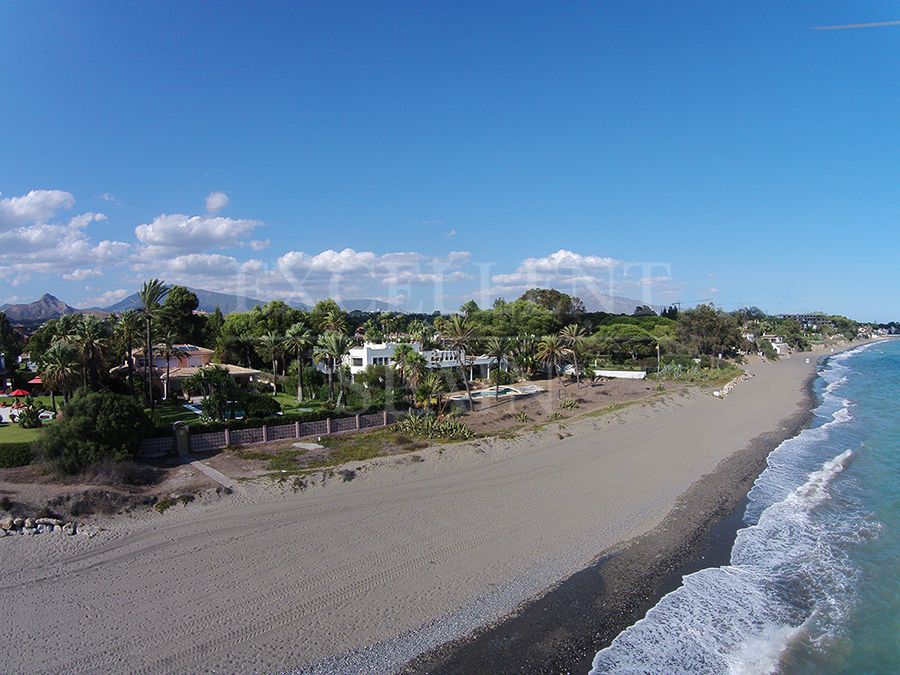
[402, 355]
[522, 351]
[573, 337]
[459, 335]
[152, 293]
[270, 345]
[298, 339]
[91, 340]
[331, 348]
[167, 351]
[128, 328]
[335, 322]
[431, 389]
[497, 349]
[551, 352]
[58, 366]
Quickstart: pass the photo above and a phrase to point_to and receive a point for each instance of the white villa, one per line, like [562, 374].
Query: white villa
[781, 347]
[185, 361]
[382, 354]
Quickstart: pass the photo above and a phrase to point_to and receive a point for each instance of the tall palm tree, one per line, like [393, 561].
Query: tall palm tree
[460, 335]
[552, 352]
[497, 349]
[331, 349]
[270, 345]
[91, 340]
[128, 328]
[402, 355]
[167, 351]
[59, 366]
[151, 295]
[297, 341]
[573, 337]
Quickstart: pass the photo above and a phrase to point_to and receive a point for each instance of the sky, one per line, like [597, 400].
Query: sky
[425, 153]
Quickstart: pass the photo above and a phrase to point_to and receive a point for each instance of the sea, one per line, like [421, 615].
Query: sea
[813, 584]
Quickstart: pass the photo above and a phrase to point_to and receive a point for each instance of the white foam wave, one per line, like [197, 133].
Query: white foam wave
[788, 574]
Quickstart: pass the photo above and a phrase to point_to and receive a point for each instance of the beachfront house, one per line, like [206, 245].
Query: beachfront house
[169, 375]
[382, 354]
[778, 344]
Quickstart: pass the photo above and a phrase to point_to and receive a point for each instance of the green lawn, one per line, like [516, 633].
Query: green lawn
[169, 413]
[13, 433]
[289, 403]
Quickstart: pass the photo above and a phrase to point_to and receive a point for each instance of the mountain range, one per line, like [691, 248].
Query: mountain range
[50, 307]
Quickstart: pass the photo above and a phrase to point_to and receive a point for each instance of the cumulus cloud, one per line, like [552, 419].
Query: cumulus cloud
[108, 197]
[176, 233]
[37, 205]
[563, 265]
[32, 246]
[450, 234]
[216, 201]
[82, 273]
[106, 299]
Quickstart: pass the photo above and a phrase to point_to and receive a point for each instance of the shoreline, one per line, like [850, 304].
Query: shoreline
[562, 630]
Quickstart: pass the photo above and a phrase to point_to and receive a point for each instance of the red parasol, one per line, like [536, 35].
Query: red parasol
[19, 392]
[36, 380]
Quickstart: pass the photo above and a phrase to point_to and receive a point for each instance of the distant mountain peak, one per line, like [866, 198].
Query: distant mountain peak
[43, 309]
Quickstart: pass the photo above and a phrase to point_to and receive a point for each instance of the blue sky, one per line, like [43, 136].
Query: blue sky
[424, 153]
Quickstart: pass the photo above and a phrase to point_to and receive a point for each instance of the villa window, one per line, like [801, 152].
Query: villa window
[357, 361]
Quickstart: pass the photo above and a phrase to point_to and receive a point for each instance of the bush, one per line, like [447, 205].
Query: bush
[502, 375]
[429, 426]
[93, 427]
[261, 405]
[15, 454]
[29, 416]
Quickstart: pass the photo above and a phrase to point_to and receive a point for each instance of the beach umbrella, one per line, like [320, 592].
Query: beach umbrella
[35, 380]
[19, 392]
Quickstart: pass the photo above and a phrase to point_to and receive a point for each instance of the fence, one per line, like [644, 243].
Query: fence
[160, 447]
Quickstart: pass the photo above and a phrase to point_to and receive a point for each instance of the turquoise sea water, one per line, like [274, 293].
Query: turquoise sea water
[814, 580]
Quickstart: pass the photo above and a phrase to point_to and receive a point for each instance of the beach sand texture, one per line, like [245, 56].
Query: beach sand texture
[373, 571]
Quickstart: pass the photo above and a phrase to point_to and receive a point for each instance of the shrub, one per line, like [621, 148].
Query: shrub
[429, 426]
[261, 405]
[95, 426]
[568, 404]
[29, 416]
[163, 504]
[501, 375]
[15, 454]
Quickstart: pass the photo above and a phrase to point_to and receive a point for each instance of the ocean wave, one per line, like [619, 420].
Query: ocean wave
[789, 580]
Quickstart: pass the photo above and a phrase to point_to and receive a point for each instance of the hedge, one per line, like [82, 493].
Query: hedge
[15, 454]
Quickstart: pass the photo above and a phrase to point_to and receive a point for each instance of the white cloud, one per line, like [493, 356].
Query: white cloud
[107, 298]
[450, 234]
[108, 197]
[37, 205]
[259, 244]
[563, 265]
[33, 247]
[176, 233]
[216, 201]
[82, 273]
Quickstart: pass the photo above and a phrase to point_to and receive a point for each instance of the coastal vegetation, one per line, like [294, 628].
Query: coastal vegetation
[109, 398]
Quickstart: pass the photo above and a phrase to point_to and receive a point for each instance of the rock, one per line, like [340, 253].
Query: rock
[2, 533]
[6, 523]
[29, 530]
[48, 521]
[90, 530]
[18, 522]
[57, 529]
[44, 529]
[69, 528]
[29, 522]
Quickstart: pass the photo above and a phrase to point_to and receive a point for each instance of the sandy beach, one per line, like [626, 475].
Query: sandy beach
[415, 552]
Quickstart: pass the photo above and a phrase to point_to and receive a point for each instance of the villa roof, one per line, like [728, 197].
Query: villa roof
[179, 348]
[190, 371]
